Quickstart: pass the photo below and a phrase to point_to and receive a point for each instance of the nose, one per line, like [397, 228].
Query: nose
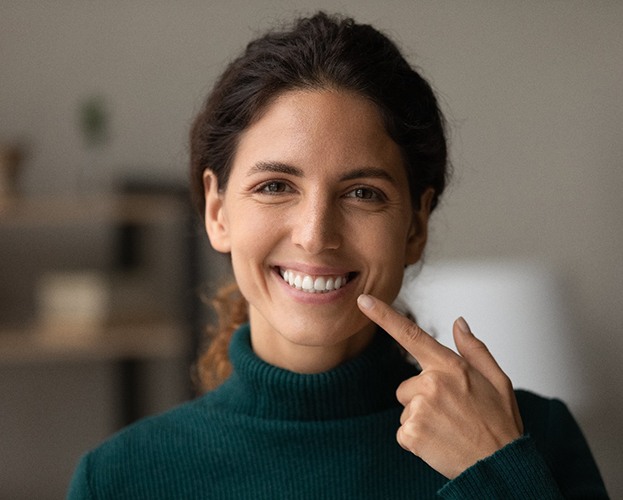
[316, 225]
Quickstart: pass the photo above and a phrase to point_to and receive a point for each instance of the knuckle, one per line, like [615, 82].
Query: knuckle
[384, 313]
[411, 435]
[458, 364]
[411, 331]
[479, 346]
[506, 383]
[431, 383]
[405, 415]
[483, 351]
[463, 374]
[416, 407]
[407, 436]
[401, 396]
[405, 391]
[477, 343]
[400, 437]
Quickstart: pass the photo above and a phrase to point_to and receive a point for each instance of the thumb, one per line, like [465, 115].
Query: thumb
[475, 352]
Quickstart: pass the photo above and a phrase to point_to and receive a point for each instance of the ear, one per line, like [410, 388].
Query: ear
[418, 232]
[216, 222]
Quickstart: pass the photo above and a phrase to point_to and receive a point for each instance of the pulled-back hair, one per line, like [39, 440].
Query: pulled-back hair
[319, 52]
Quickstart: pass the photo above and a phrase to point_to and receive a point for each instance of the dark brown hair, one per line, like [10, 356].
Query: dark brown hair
[317, 52]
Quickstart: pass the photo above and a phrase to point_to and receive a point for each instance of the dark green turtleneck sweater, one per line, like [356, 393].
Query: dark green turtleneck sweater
[268, 433]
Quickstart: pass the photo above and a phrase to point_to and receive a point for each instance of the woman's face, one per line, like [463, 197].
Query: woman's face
[316, 211]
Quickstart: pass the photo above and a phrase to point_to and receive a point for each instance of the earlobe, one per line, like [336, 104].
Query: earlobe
[418, 232]
[215, 218]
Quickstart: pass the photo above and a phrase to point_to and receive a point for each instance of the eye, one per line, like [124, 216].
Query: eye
[273, 187]
[365, 194]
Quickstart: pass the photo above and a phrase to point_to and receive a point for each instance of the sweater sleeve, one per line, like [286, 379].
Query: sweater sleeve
[516, 471]
[552, 461]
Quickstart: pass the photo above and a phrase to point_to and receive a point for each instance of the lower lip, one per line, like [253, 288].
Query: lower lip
[314, 298]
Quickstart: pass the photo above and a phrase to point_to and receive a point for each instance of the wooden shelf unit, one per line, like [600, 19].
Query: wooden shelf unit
[126, 344]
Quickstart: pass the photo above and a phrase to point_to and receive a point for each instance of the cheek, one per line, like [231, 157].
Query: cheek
[253, 238]
[246, 274]
[248, 229]
[387, 256]
[391, 280]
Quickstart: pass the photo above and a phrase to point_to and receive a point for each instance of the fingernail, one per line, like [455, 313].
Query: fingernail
[463, 326]
[365, 301]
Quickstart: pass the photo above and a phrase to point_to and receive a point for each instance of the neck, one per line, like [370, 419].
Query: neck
[363, 385]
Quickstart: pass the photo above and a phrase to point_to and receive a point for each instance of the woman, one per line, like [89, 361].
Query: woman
[316, 162]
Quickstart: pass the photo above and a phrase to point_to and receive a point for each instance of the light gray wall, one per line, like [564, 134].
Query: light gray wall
[532, 90]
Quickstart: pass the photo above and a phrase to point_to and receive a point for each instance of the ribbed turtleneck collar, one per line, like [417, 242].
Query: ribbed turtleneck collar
[361, 386]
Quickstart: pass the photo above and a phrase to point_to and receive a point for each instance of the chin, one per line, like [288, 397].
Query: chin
[324, 333]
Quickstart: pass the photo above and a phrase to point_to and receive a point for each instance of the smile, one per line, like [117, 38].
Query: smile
[313, 284]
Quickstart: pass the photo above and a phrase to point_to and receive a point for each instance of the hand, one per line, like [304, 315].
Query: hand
[461, 408]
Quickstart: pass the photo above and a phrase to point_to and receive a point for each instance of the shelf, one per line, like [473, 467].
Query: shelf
[139, 342]
[141, 241]
[46, 211]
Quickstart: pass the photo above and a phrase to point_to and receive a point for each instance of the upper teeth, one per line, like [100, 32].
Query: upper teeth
[310, 284]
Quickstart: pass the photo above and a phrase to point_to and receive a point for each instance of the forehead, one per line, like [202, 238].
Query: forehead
[320, 128]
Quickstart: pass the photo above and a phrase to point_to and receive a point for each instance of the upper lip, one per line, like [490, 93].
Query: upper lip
[314, 270]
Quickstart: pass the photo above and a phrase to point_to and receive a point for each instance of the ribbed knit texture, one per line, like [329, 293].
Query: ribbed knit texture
[269, 433]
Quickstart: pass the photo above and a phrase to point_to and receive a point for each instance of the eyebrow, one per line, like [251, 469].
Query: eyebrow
[284, 168]
[368, 172]
[277, 167]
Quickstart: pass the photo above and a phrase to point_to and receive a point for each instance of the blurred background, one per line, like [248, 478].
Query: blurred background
[101, 258]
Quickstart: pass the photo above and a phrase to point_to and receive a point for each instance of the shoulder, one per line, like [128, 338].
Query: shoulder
[165, 431]
[143, 452]
[545, 418]
[534, 406]
[562, 444]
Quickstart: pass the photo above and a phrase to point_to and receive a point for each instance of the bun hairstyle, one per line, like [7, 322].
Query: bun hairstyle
[317, 52]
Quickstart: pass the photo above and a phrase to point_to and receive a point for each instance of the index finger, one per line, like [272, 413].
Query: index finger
[420, 344]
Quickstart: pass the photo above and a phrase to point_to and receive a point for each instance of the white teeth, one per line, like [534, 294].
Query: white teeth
[306, 283]
[319, 285]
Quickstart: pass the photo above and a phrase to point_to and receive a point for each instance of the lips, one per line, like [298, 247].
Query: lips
[313, 284]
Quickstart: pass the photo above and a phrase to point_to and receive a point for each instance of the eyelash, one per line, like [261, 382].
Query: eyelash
[263, 188]
[365, 194]
[373, 195]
